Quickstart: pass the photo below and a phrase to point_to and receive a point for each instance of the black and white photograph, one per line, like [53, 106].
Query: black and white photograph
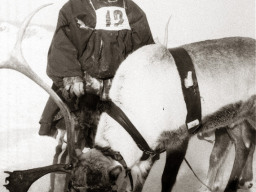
[127, 95]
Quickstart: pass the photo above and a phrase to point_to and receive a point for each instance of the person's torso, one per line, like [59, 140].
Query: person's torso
[102, 34]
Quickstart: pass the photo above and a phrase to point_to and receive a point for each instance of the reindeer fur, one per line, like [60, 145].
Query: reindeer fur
[229, 115]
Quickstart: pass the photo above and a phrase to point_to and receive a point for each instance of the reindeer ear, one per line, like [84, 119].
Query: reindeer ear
[114, 172]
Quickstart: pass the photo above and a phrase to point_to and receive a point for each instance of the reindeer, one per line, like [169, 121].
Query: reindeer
[225, 71]
[147, 90]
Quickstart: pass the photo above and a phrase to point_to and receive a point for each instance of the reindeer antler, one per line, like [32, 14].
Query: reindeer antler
[17, 62]
[22, 180]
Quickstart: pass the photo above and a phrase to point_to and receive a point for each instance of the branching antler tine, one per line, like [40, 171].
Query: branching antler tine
[17, 62]
[17, 52]
[25, 24]
[20, 181]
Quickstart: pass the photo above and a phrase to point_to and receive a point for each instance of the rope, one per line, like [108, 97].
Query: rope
[196, 175]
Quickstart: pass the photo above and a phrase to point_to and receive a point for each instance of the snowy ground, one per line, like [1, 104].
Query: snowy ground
[21, 104]
[24, 149]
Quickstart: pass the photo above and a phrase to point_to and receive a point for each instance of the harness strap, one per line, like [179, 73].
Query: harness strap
[118, 115]
[190, 88]
[190, 167]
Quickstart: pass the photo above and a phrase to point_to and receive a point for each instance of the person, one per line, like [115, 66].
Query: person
[91, 40]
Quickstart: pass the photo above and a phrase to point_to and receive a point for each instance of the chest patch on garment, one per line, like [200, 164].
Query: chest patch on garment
[112, 18]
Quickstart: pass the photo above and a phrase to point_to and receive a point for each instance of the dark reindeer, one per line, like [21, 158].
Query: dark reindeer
[150, 95]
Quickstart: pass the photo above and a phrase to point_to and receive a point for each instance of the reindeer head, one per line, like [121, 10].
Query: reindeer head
[95, 172]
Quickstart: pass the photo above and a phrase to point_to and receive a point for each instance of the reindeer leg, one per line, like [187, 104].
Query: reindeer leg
[57, 179]
[55, 161]
[142, 171]
[218, 156]
[58, 151]
[242, 152]
[245, 180]
[175, 153]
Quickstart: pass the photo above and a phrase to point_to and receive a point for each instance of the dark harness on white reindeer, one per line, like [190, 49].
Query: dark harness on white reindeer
[192, 99]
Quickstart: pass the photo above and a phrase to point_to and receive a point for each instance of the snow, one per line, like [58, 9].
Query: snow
[20, 97]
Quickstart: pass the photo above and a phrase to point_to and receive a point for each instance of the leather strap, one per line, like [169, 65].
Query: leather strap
[190, 88]
[118, 115]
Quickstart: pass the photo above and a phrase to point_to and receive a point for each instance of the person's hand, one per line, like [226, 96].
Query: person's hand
[74, 86]
[77, 88]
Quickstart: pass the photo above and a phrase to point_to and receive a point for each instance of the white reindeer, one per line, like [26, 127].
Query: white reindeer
[147, 88]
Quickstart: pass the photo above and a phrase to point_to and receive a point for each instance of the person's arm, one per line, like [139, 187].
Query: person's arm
[63, 55]
[141, 34]
[63, 66]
